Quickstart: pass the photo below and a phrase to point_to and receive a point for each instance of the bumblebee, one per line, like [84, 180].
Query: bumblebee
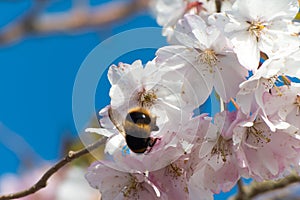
[136, 128]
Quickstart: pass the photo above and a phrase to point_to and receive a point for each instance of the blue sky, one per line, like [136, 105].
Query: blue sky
[36, 82]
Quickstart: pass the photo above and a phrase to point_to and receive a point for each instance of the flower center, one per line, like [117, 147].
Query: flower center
[222, 149]
[256, 28]
[131, 188]
[257, 136]
[208, 57]
[269, 83]
[174, 170]
[297, 103]
[146, 98]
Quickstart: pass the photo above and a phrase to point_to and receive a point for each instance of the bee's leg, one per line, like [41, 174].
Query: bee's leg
[155, 128]
[151, 143]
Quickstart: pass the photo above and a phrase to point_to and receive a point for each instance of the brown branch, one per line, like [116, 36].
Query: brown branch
[43, 180]
[258, 188]
[241, 191]
[22, 25]
[76, 19]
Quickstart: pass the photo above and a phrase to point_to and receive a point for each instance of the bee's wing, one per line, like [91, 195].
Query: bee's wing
[117, 120]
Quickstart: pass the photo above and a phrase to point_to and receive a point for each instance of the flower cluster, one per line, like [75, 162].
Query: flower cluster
[245, 51]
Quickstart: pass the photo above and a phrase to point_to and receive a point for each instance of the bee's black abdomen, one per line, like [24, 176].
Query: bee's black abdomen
[137, 145]
[138, 117]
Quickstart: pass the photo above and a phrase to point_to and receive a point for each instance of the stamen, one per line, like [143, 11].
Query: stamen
[131, 189]
[256, 28]
[174, 170]
[221, 149]
[208, 57]
[147, 98]
[259, 136]
[270, 83]
[279, 93]
[286, 80]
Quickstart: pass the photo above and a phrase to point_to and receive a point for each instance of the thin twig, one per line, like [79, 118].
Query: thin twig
[263, 187]
[234, 104]
[72, 155]
[241, 190]
[258, 188]
[75, 19]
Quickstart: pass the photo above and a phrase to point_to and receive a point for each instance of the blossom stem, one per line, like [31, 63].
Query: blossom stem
[241, 190]
[42, 182]
[286, 80]
[234, 104]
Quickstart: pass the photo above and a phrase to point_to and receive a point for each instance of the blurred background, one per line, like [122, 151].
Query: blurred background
[42, 45]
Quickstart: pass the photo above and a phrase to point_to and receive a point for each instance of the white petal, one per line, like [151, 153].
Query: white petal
[116, 73]
[191, 32]
[198, 85]
[115, 143]
[245, 46]
[229, 74]
[100, 131]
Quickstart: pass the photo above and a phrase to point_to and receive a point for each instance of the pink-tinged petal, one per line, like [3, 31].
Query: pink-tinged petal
[245, 101]
[283, 102]
[293, 117]
[229, 120]
[257, 163]
[267, 159]
[218, 180]
[172, 181]
[209, 140]
[238, 135]
[245, 46]
[197, 190]
[114, 184]
[108, 181]
[228, 76]
[249, 98]
[272, 103]
[265, 154]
